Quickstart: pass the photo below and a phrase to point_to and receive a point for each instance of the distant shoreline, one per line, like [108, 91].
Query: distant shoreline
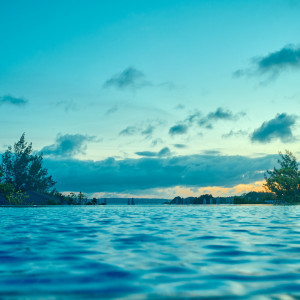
[167, 205]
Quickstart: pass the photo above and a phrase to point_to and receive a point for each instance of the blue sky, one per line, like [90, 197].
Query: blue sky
[110, 89]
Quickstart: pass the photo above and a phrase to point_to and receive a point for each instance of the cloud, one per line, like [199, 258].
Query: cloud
[180, 146]
[7, 99]
[273, 63]
[162, 153]
[148, 131]
[287, 57]
[146, 153]
[178, 129]
[233, 133]
[69, 105]
[129, 78]
[156, 142]
[179, 106]
[127, 175]
[211, 152]
[206, 121]
[168, 85]
[193, 117]
[277, 128]
[129, 130]
[68, 145]
[219, 114]
[111, 110]
[145, 128]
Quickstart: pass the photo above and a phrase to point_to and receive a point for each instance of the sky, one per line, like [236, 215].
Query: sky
[152, 98]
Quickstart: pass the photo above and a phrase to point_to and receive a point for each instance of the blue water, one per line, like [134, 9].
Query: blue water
[150, 252]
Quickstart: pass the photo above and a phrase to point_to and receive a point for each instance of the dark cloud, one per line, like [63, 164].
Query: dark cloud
[220, 114]
[7, 99]
[129, 78]
[125, 175]
[277, 128]
[129, 130]
[146, 153]
[162, 153]
[288, 57]
[180, 146]
[206, 121]
[273, 63]
[193, 117]
[178, 129]
[68, 145]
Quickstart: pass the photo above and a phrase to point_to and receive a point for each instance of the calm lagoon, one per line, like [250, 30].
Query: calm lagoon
[149, 252]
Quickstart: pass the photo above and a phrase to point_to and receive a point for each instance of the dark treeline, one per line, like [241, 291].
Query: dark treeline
[24, 180]
[282, 186]
[247, 198]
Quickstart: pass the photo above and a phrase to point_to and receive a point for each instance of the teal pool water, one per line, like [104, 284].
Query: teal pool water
[149, 252]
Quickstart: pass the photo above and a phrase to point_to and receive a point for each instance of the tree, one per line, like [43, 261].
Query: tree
[82, 198]
[285, 181]
[24, 170]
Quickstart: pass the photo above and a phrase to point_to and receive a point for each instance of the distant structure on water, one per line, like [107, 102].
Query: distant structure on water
[132, 201]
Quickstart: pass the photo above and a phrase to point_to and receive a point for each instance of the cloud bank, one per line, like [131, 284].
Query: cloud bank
[277, 128]
[129, 175]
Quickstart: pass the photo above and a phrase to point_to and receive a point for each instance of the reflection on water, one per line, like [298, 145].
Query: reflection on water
[150, 252]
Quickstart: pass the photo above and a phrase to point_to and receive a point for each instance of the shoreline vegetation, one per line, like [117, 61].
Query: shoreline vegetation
[25, 182]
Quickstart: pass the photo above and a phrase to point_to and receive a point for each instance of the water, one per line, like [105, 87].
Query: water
[150, 252]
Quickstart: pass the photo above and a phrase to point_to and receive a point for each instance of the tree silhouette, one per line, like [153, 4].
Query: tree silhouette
[24, 170]
[285, 181]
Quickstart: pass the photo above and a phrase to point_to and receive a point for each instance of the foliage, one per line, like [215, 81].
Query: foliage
[79, 199]
[13, 197]
[17, 198]
[177, 200]
[82, 198]
[24, 170]
[284, 182]
[51, 202]
[253, 198]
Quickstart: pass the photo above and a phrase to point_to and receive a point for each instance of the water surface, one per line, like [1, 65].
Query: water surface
[148, 252]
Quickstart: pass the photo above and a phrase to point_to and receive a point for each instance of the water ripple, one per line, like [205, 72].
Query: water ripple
[149, 252]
